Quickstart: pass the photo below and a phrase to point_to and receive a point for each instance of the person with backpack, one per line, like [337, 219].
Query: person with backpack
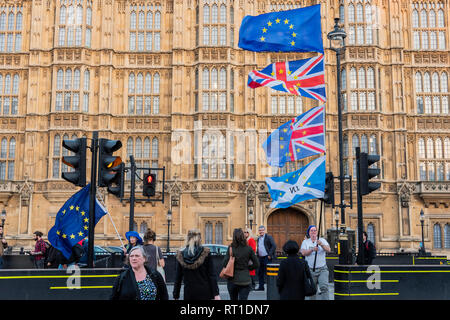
[39, 250]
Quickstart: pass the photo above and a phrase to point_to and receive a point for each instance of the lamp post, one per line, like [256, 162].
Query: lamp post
[251, 217]
[169, 222]
[422, 220]
[336, 219]
[337, 36]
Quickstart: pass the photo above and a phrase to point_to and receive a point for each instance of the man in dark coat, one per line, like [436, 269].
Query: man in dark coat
[290, 280]
[266, 252]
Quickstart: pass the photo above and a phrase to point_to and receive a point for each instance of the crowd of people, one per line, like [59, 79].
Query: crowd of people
[143, 276]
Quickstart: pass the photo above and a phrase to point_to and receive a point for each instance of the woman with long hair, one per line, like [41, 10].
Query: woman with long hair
[240, 285]
[195, 268]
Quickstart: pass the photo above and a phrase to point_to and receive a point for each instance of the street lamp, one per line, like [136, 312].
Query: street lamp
[337, 37]
[336, 243]
[169, 222]
[251, 217]
[422, 220]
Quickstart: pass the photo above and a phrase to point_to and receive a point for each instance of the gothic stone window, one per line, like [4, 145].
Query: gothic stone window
[74, 23]
[143, 93]
[9, 94]
[72, 89]
[432, 93]
[428, 25]
[11, 18]
[145, 27]
[434, 158]
[7, 158]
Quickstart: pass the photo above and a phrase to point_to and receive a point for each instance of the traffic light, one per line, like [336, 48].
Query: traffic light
[149, 188]
[77, 161]
[116, 186]
[328, 196]
[366, 173]
[108, 165]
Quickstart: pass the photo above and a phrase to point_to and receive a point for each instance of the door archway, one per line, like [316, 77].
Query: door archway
[287, 224]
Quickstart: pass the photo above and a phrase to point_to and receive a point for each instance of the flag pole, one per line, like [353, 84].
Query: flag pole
[118, 235]
[318, 233]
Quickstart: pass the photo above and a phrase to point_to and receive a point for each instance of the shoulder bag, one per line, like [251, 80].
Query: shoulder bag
[158, 266]
[309, 284]
[228, 271]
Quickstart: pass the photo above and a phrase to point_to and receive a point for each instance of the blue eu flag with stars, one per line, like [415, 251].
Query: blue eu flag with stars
[72, 221]
[292, 30]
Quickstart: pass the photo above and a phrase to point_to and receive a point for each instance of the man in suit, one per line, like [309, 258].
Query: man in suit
[266, 252]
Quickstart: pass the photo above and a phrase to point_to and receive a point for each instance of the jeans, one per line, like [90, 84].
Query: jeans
[320, 276]
[39, 264]
[238, 292]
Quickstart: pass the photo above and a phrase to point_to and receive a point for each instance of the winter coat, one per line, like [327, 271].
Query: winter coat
[198, 274]
[242, 256]
[126, 288]
[290, 280]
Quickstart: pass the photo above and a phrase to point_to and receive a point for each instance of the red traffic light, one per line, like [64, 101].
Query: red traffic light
[149, 179]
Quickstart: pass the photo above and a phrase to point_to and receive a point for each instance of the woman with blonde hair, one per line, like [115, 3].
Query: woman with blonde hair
[195, 268]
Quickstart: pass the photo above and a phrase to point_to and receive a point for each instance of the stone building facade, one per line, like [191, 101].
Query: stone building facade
[168, 79]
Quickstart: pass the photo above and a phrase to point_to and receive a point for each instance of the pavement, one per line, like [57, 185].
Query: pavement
[254, 295]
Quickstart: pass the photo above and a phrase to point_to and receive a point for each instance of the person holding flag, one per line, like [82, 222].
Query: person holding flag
[72, 222]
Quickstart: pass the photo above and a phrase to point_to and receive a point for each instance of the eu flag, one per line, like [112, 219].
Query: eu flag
[292, 30]
[72, 221]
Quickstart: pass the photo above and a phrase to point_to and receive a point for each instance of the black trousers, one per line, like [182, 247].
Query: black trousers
[263, 261]
[238, 292]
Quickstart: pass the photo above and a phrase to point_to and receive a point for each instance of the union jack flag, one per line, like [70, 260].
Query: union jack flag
[298, 138]
[301, 77]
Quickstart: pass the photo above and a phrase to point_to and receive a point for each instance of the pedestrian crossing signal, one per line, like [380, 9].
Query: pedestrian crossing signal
[149, 189]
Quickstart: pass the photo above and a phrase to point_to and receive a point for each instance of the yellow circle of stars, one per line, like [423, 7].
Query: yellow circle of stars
[279, 21]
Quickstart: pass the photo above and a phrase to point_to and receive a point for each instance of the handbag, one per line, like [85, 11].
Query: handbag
[309, 283]
[158, 267]
[228, 271]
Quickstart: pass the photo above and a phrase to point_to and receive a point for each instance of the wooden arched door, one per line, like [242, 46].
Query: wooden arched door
[287, 224]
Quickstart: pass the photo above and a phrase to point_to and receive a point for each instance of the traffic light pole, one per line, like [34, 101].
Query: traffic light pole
[92, 197]
[360, 208]
[132, 191]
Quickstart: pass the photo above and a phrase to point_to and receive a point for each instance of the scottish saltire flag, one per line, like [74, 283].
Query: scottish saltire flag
[301, 77]
[304, 184]
[72, 221]
[298, 138]
[292, 30]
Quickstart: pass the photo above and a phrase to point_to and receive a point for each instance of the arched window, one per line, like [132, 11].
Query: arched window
[355, 143]
[364, 144]
[437, 237]
[426, 82]
[430, 148]
[421, 148]
[371, 232]
[444, 82]
[447, 236]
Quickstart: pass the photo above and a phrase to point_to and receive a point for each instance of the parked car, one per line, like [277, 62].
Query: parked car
[114, 249]
[217, 248]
